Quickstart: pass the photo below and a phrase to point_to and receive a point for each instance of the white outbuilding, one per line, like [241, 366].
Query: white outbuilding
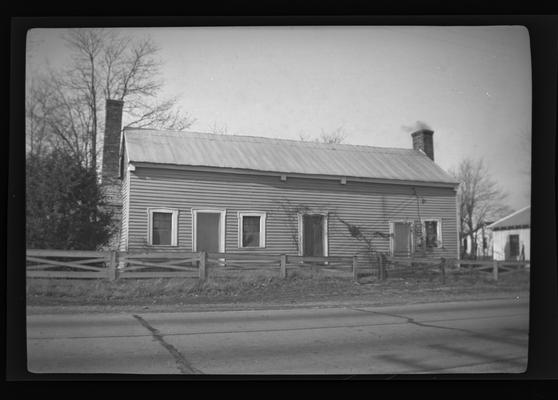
[511, 236]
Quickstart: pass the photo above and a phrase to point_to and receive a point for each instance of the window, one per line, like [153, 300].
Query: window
[514, 245]
[432, 233]
[251, 229]
[162, 227]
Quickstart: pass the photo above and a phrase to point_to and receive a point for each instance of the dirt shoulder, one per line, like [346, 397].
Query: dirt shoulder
[268, 293]
[222, 306]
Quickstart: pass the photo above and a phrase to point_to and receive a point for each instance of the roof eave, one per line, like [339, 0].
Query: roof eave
[511, 227]
[495, 224]
[203, 168]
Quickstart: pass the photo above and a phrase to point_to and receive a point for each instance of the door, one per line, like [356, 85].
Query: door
[513, 241]
[313, 235]
[401, 239]
[208, 232]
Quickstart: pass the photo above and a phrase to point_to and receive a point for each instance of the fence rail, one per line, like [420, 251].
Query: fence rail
[494, 267]
[114, 265]
[67, 264]
[156, 265]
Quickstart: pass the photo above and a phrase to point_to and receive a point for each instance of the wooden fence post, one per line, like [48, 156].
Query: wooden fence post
[283, 266]
[495, 270]
[202, 266]
[355, 269]
[113, 263]
[443, 269]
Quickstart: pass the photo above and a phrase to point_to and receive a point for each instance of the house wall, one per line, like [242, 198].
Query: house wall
[368, 205]
[123, 243]
[501, 242]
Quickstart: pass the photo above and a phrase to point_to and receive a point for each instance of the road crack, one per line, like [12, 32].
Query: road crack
[183, 365]
[410, 320]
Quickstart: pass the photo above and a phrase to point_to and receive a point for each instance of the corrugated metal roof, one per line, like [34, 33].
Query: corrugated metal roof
[280, 155]
[519, 218]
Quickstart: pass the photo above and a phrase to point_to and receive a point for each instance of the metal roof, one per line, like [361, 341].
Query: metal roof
[519, 218]
[280, 156]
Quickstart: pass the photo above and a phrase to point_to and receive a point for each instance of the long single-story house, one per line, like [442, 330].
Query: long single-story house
[511, 236]
[191, 191]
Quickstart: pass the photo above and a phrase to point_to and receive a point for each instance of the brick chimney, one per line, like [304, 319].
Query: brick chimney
[110, 174]
[111, 146]
[422, 140]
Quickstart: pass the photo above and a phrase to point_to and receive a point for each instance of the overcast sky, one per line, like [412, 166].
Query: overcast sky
[471, 85]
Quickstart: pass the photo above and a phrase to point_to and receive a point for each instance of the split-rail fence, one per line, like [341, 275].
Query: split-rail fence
[113, 265]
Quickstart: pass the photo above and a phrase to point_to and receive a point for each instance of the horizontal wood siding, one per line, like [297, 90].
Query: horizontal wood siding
[370, 206]
[123, 245]
[500, 242]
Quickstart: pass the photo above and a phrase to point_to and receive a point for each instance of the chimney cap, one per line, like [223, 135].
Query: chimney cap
[423, 131]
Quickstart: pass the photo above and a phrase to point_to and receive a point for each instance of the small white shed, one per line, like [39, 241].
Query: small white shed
[511, 236]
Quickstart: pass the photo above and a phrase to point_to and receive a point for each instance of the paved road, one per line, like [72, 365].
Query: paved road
[461, 337]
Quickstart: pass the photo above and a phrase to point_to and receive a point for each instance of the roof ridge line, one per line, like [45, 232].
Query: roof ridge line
[302, 142]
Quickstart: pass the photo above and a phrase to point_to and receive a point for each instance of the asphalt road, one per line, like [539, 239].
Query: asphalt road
[458, 337]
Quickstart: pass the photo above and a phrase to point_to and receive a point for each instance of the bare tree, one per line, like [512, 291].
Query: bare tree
[480, 200]
[220, 129]
[83, 76]
[37, 108]
[336, 136]
[105, 65]
[57, 118]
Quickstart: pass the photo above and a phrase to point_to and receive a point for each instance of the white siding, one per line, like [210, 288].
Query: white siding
[500, 239]
[125, 196]
[368, 205]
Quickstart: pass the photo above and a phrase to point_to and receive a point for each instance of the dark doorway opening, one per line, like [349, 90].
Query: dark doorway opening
[208, 232]
[313, 226]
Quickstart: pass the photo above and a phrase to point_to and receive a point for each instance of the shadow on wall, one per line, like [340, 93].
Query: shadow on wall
[517, 257]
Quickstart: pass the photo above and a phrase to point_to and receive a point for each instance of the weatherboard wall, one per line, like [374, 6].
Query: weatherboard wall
[125, 196]
[371, 206]
[501, 242]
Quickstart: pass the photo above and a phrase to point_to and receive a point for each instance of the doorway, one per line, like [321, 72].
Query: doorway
[402, 239]
[314, 235]
[208, 231]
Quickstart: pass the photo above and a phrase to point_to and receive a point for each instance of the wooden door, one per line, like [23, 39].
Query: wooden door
[208, 232]
[401, 239]
[313, 235]
[513, 252]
